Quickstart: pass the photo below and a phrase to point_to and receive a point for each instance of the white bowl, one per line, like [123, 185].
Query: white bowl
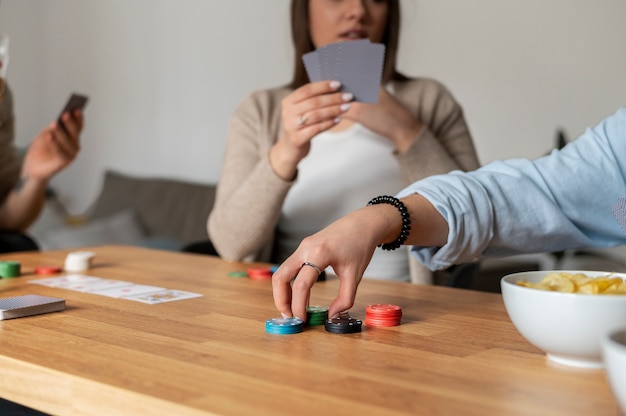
[614, 355]
[569, 327]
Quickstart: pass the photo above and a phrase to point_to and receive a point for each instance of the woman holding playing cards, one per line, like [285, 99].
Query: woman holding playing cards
[299, 157]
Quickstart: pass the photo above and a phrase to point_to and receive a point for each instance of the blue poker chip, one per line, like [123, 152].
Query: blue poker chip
[284, 326]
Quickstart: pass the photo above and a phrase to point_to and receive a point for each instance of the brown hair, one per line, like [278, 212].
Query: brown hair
[300, 34]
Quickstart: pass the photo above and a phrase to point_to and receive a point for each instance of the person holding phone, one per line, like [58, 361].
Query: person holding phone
[302, 155]
[23, 181]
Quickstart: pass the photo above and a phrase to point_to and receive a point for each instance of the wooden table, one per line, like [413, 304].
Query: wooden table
[456, 352]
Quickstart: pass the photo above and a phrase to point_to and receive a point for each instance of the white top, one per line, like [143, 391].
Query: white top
[343, 171]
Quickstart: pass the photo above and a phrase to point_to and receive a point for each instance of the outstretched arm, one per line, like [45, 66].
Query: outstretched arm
[347, 245]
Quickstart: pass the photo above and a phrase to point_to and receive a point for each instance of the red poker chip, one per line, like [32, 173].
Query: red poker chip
[260, 273]
[384, 309]
[43, 270]
[383, 315]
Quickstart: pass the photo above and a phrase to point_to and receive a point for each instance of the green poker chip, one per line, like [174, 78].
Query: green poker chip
[316, 315]
[10, 269]
[238, 273]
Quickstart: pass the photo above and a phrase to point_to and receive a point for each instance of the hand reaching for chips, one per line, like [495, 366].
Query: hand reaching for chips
[579, 283]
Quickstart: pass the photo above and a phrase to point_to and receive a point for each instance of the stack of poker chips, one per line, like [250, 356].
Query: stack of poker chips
[9, 268]
[383, 315]
[284, 326]
[316, 315]
[343, 324]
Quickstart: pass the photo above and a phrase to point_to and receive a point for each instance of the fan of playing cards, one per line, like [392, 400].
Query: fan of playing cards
[357, 64]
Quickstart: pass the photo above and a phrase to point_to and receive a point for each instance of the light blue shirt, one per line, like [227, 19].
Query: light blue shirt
[572, 198]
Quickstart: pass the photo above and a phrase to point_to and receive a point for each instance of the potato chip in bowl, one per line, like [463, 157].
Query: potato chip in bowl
[566, 313]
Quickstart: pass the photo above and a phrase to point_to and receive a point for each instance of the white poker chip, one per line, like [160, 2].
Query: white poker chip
[78, 261]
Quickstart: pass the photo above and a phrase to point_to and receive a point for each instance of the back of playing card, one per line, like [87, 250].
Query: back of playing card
[360, 69]
[311, 62]
[27, 305]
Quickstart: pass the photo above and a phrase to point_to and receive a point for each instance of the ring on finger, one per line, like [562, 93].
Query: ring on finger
[301, 121]
[307, 263]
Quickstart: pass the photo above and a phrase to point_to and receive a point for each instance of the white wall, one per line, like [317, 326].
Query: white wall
[164, 76]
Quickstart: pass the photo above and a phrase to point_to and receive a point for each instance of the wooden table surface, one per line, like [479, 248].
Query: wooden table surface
[456, 352]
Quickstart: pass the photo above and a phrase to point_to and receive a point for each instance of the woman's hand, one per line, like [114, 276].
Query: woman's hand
[53, 148]
[347, 245]
[306, 112]
[388, 118]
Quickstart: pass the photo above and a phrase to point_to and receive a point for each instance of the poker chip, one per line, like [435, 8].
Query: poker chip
[10, 268]
[45, 270]
[343, 324]
[260, 273]
[383, 315]
[316, 315]
[284, 326]
[238, 273]
[78, 261]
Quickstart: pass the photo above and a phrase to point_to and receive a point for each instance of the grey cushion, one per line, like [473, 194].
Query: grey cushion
[120, 228]
[166, 208]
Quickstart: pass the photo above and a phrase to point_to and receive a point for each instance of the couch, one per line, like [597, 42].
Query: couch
[146, 211]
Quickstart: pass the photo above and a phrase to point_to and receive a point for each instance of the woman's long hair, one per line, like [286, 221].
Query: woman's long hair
[302, 41]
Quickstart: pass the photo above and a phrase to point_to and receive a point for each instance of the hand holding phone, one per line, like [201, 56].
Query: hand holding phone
[75, 102]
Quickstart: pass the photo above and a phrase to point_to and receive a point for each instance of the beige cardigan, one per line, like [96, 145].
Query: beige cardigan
[250, 195]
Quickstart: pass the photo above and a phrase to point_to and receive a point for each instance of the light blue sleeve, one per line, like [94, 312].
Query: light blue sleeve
[572, 198]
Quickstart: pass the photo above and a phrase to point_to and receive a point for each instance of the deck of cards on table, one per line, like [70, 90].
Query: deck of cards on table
[357, 64]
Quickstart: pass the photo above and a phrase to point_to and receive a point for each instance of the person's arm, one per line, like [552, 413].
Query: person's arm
[249, 193]
[569, 199]
[572, 198]
[265, 144]
[347, 245]
[49, 153]
[23, 205]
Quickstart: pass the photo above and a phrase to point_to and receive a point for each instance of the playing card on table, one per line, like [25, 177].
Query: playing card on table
[163, 296]
[94, 286]
[62, 281]
[128, 290]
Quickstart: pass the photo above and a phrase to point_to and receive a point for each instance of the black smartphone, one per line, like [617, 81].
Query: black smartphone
[75, 102]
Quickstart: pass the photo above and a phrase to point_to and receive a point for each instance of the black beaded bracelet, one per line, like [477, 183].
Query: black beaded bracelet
[406, 220]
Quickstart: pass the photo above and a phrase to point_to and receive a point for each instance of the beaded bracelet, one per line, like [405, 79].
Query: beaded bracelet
[406, 220]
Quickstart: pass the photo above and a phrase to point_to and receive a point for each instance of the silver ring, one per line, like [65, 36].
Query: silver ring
[306, 263]
[301, 120]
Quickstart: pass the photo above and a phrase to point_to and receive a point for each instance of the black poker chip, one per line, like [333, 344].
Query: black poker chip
[343, 324]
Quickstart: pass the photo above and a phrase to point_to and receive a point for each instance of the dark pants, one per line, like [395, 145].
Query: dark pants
[11, 241]
[8, 408]
[201, 247]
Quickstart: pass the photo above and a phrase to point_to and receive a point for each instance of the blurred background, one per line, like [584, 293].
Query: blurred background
[164, 76]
